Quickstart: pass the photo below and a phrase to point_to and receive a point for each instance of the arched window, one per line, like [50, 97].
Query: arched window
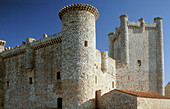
[58, 75]
[30, 80]
[59, 103]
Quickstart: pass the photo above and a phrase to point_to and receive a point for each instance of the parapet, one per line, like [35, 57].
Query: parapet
[34, 44]
[72, 7]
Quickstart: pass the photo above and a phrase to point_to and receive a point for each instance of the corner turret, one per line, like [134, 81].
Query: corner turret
[160, 56]
[124, 39]
[2, 44]
[142, 24]
[79, 54]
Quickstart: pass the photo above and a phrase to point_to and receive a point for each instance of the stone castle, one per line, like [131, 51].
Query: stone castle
[65, 70]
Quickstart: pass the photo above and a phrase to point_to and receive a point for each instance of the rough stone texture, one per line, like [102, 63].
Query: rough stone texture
[117, 100]
[127, 99]
[29, 73]
[41, 61]
[150, 103]
[82, 67]
[138, 51]
[167, 90]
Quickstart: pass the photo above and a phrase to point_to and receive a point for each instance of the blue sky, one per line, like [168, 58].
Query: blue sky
[20, 19]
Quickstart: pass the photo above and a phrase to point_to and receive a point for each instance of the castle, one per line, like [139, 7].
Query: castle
[65, 70]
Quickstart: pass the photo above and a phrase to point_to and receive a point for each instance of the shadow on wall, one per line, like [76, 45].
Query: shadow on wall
[90, 104]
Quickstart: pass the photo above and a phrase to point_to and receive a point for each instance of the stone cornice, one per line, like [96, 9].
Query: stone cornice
[72, 7]
[47, 43]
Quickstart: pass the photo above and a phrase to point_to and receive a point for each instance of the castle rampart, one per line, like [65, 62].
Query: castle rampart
[65, 70]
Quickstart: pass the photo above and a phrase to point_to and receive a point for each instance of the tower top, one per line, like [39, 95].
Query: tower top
[72, 7]
[158, 18]
[2, 43]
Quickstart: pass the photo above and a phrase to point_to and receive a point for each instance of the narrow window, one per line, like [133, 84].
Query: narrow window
[96, 79]
[139, 62]
[112, 84]
[7, 84]
[58, 75]
[30, 80]
[128, 77]
[85, 44]
[59, 103]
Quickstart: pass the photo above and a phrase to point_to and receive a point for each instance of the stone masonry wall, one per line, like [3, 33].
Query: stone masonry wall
[117, 100]
[167, 90]
[139, 77]
[45, 88]
[2, 98]
[150, 103]
[15, 82]
[140, 67]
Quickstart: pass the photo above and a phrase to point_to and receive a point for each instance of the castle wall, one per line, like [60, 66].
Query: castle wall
[167, 90]
[43, 89]
[141, 69]
[46, 62]
[15, 81]
[117, 49]
[2, 98]
[151, 103]
[29, 73]
[141, 73]
[106, 80]
[117, 100]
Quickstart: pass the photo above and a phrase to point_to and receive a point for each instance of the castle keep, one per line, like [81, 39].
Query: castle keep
[65, 70]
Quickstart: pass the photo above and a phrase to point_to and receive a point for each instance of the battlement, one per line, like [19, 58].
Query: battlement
[35, 44]
[140, 24]
[72, 7]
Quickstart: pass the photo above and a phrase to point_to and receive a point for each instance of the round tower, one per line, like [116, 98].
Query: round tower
[78, 56]
[2, 44]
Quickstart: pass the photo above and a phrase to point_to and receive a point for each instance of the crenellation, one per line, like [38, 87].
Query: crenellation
[141, 36]
[79, 7]
[29, 40]
[65, 70]
[45, 35]
[138, 25]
